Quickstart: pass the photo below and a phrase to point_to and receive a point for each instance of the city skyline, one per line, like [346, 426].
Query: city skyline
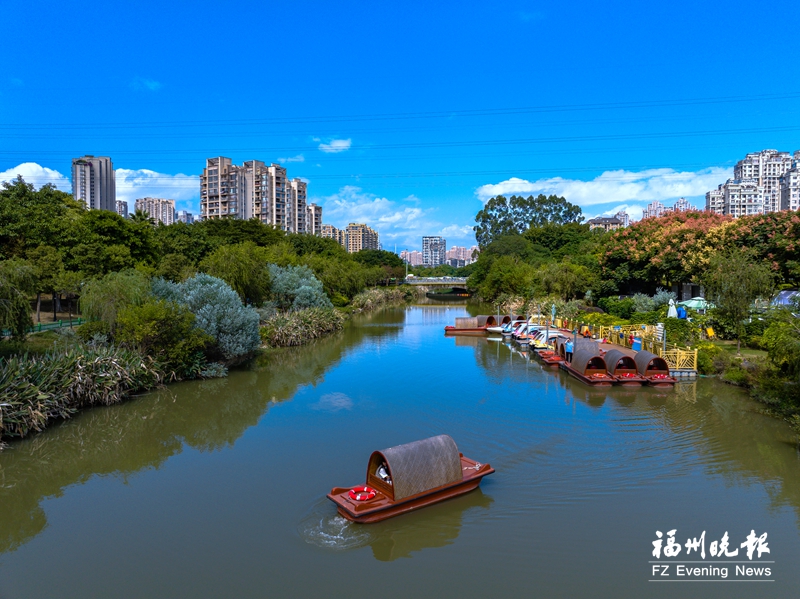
[608, 128]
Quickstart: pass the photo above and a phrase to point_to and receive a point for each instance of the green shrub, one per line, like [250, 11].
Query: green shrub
[218, 312]
[623, 308]
[296, 288]
[736, 376]
[102, 299]
[339, 301]
[706, 352]
[166, 332]
[88, 330]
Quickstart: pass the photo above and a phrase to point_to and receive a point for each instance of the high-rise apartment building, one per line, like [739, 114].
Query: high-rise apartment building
[462, 254]
[159, 209]
[313, 219]
[434, 250]
[414, 258]
[654, 210]
[361, 237]
[93, 182]
[331, 232]
[184, 217]
[766, 168]
[715, 200]
[624, 218]
[790, 186]
[254, 190]
[682, 205]
[122, 208]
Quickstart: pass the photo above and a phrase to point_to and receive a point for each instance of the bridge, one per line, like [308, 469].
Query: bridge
[437, 281]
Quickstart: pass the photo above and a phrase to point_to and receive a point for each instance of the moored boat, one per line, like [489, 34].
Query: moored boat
[407, 477]
[623, 368]
[589, 368]
[654, 369]
[471, 325]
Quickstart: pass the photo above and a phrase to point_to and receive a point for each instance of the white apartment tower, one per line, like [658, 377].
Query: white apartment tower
[314, 219]
[122, 208]
[790, 186]
[254, 190]
[766, 168]
[93, 182]
[159, 209]
[434, 250]
[715, 200]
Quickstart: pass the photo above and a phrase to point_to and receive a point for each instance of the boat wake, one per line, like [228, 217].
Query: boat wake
[330, 531]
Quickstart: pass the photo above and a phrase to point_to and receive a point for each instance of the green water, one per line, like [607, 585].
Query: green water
[217, 488]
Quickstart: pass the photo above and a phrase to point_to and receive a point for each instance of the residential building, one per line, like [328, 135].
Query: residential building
[159, 209]
[790, 186]
[331, 232]
[313, 219]
[93, 182]
[715, 200]
[361, 237]
[461, 253]
[185, 217]
[434, 250]
[122, 208]
[254, 190]
[766, 168]
[456, 262]
[654, 209]
[607, 223]
[414, 258]
[623, 217]
[743, 197]
[682, 205]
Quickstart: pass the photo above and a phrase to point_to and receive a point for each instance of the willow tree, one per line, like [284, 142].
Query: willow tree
[733, 281]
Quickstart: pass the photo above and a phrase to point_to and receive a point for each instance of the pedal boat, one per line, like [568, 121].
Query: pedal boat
[408, 477]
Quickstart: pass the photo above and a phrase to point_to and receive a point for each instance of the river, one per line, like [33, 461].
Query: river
[217, 488]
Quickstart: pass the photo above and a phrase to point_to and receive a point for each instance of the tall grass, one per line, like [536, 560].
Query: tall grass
[374, 298]
[287, 329]
[37, 389]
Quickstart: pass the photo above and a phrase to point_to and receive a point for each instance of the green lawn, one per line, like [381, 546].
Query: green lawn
[730, 347]
[37, 343]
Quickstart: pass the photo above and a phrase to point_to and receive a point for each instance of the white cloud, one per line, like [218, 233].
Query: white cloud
[335, 145]
[616, 186]
[401, 223]
[143, 183]
[298, 158]
[142, 83]
[37, 175]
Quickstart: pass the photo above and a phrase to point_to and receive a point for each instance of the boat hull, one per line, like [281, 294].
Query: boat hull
[661, 383]
[593, 381]
[382, 507]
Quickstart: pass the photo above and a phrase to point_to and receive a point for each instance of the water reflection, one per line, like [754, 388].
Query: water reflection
[146, 431]
[434, 526]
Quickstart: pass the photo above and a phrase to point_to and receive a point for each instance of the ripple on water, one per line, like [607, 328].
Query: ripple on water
[329, 530]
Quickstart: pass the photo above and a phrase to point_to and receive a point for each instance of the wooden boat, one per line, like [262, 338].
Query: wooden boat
[654, 369]
[408, 477]
[589, 368]
[471, 325]
[623, 368]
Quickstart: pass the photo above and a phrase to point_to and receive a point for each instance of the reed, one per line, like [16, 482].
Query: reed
[376, 297]
[286, 329]
[35, 390]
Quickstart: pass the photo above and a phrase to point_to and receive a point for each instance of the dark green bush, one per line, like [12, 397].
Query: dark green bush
[623, 308]
[87, 331]
[166, 332]
[706, 352]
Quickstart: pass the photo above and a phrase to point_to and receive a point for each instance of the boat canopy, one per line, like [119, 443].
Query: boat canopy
[589, 345]
[617, 360]
[648, 363]
[587, 362]
[487, 321]
[416, 467]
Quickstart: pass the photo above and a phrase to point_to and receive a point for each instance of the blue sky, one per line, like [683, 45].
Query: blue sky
[407, 116]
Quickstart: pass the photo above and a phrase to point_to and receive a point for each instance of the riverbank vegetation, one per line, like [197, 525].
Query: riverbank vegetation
[535, 253]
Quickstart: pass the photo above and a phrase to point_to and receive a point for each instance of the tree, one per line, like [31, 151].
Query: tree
[140, 216]
[242, 266]
[514, 215]
[782, 340]
[296, 287]
[48, 267]
[102, 299]
[733, 281]
[17, 278]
